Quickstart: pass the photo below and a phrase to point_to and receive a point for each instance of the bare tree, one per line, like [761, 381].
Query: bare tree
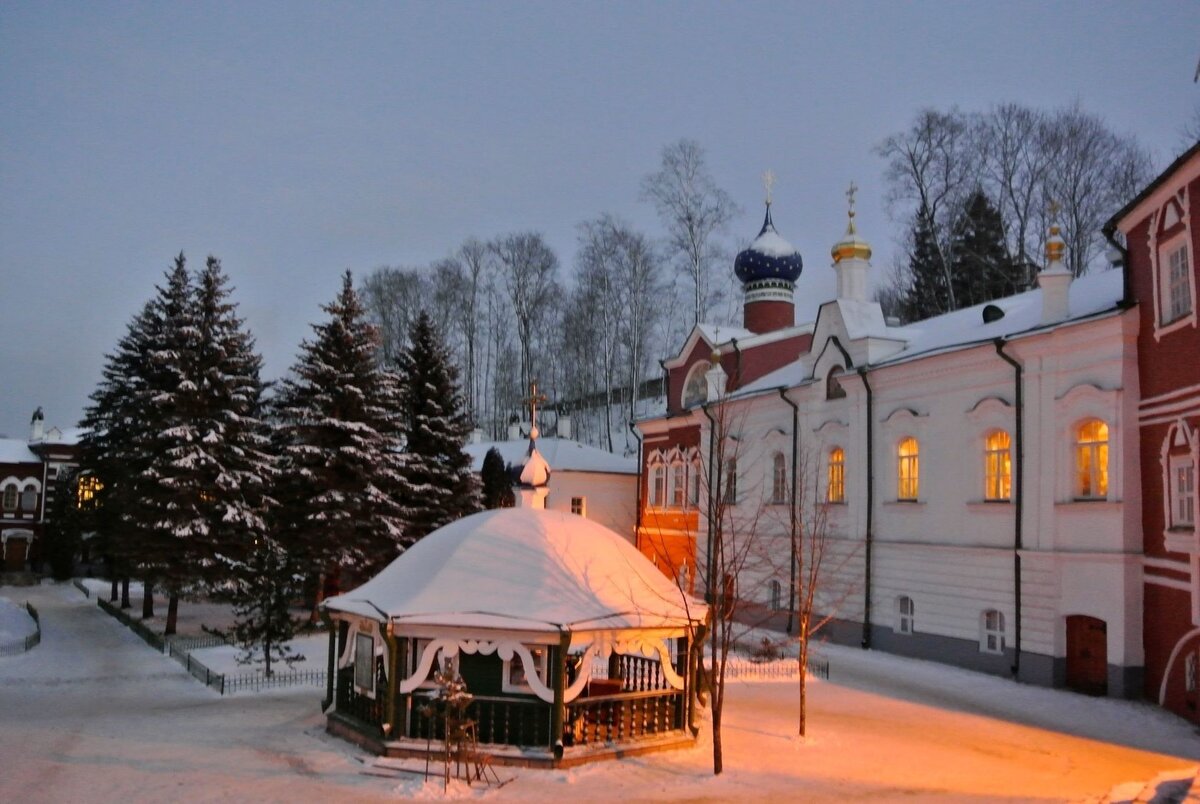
[640, 274]
[529, 270]
[473, 256]
[392, 298]
[694, 211]
[599, 291]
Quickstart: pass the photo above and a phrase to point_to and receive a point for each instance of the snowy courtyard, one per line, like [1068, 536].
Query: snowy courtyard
[94, 714]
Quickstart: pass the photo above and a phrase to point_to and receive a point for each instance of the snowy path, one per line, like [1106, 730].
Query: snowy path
[94, 714]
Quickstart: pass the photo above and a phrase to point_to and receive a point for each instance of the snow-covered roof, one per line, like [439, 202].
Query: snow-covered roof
[524, 569]
[1089, 295]
[772, 244]
[563, 455]
[63, 435]
[16, 450]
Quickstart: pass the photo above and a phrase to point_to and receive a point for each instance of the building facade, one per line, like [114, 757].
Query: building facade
[1161, 240]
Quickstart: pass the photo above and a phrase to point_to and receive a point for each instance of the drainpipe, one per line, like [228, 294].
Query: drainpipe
[1018, 504]
[737, 365]
[792, 505]
[714, 489]
[1127, 299]
[869, 537]
[666, 382]
[638, 515]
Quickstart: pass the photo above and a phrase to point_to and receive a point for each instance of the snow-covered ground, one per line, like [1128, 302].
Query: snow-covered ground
[94, 714]
[15, 622]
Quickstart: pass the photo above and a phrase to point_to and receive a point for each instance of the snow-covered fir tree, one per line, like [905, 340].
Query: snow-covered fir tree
[338, 441]
[265, 589]
[440, 486]
[497, 485]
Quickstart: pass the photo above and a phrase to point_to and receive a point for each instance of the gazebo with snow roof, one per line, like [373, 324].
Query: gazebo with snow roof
[573, 644]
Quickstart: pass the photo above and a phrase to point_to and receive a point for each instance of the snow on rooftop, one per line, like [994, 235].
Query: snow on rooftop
[16, 450]
[1091, 294]
[563, 455]
[772, 245]
[523, 569]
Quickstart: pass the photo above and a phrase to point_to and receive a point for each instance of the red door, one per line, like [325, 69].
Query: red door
[1087, 654]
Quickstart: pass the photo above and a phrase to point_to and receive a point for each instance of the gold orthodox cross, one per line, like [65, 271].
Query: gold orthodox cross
[533, 400]
[768, 182]
[851, 191]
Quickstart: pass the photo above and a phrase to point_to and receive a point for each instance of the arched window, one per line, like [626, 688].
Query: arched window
[776, 593]
[678, 483]
[658, 485]
[694, 483]
[991, 633]
[997, 466]
[779, 479]
[1091, 460]
[906, 613]
[833, 388]
[730, 479]
[837, 476]
[908, 469]
[29, 498]
[695, 389]
[10, 497]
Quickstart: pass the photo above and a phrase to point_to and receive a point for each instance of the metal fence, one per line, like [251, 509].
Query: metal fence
[29, 642]
[741, 667]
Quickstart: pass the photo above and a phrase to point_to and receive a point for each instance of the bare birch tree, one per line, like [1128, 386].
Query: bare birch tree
[529, 270]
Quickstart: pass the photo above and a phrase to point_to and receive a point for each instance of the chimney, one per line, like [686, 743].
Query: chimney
[1055, 280]
[37, 426]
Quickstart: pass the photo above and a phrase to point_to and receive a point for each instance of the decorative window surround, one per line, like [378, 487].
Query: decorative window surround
[1179, 458]
[515, 677]
[1172, 219]
[1082, 403]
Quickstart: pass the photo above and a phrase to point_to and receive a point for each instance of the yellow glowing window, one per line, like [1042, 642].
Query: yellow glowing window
[908, 472]
[837, 476]
[85, 493]
[1091, 460]
[997, 466]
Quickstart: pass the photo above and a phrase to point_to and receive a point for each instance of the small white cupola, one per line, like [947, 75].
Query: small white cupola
[851, 258]
[715, 378]
[534, 483]
[1055, 279]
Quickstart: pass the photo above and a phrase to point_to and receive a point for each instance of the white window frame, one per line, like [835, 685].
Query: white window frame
[29, 496]
[906, 615]
[835, 476]
[1093, 449]
[11, 497]
[697, 377]
[677, 484]
[541, 655]
[1168, 216]
[913, 492]
[579, 506]
[991, 634]
[995, 478]
[779, 479]
[658, 483]
[364, 669]
[1182, 492]
[694, 483]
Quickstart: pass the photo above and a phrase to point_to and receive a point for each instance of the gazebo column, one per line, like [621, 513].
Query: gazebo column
[683, 668]
[393, 664]
[331, 672]
[558, 714]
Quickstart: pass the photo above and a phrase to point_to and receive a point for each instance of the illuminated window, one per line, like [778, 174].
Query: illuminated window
[779, 489]
[1176, 286]
[1183, 492]
[29, 498]
[991, 637]
[579, 506]
[678, 484]
[908, 469]
[1091, 460]
[906, 612]
[364, 664]
[837, 476]
[10, 497]
[997, 466]
[730, 482]
[516, 674]
[85, 493]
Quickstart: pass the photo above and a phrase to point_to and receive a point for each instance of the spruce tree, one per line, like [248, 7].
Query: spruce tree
[339, 449]
[982, 268]
[440, 484]
[928, 290]
[264, 625]
[497, 485]
[66, 523]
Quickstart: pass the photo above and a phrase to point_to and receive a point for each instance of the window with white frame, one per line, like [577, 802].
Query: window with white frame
[695, 389]
[364, 664]
[906, 613]
[836, 485]
[694, 483]
[1091, 460]
[1175, 279]
[908, 469]
[1182, 491]
[658, 485]
[516, 674]
[775, 589]
[678, 484]
[779, 479]
[997, 466]
[10, 497]
[730, 479]
[579, 506]
[29, 498]
[991, 636]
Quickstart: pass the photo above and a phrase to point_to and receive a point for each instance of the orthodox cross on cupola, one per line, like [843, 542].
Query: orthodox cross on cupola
[768, 182]
[532, 401]
[535, 474]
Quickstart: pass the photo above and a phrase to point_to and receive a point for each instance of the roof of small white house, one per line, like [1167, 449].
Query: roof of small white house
[523, 569]
[563, 454]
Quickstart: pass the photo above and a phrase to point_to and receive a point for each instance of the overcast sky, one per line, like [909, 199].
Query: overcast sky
[296, 140]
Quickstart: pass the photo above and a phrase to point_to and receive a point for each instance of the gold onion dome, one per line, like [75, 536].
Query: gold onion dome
[1056, 248]
[851, 246]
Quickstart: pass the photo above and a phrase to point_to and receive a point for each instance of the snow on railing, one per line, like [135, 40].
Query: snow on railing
[27, 643]
[741, 668]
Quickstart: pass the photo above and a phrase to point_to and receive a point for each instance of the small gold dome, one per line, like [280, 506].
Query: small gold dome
[851, 246]
[1056, 249]
[715, 357]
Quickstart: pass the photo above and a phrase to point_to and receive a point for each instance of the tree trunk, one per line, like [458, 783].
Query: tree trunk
[267, 657]
[172, 614]
[718, 761]
[147, 600]
[803, 676]
[125, 593]
[114, 594]
[315, 615]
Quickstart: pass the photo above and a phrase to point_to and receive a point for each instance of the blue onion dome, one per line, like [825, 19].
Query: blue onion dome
[768, 257]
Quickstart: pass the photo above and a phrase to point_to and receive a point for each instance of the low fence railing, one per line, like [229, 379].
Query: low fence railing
[180, 649]
[739, 667]
[27, 643]
[625, 716]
